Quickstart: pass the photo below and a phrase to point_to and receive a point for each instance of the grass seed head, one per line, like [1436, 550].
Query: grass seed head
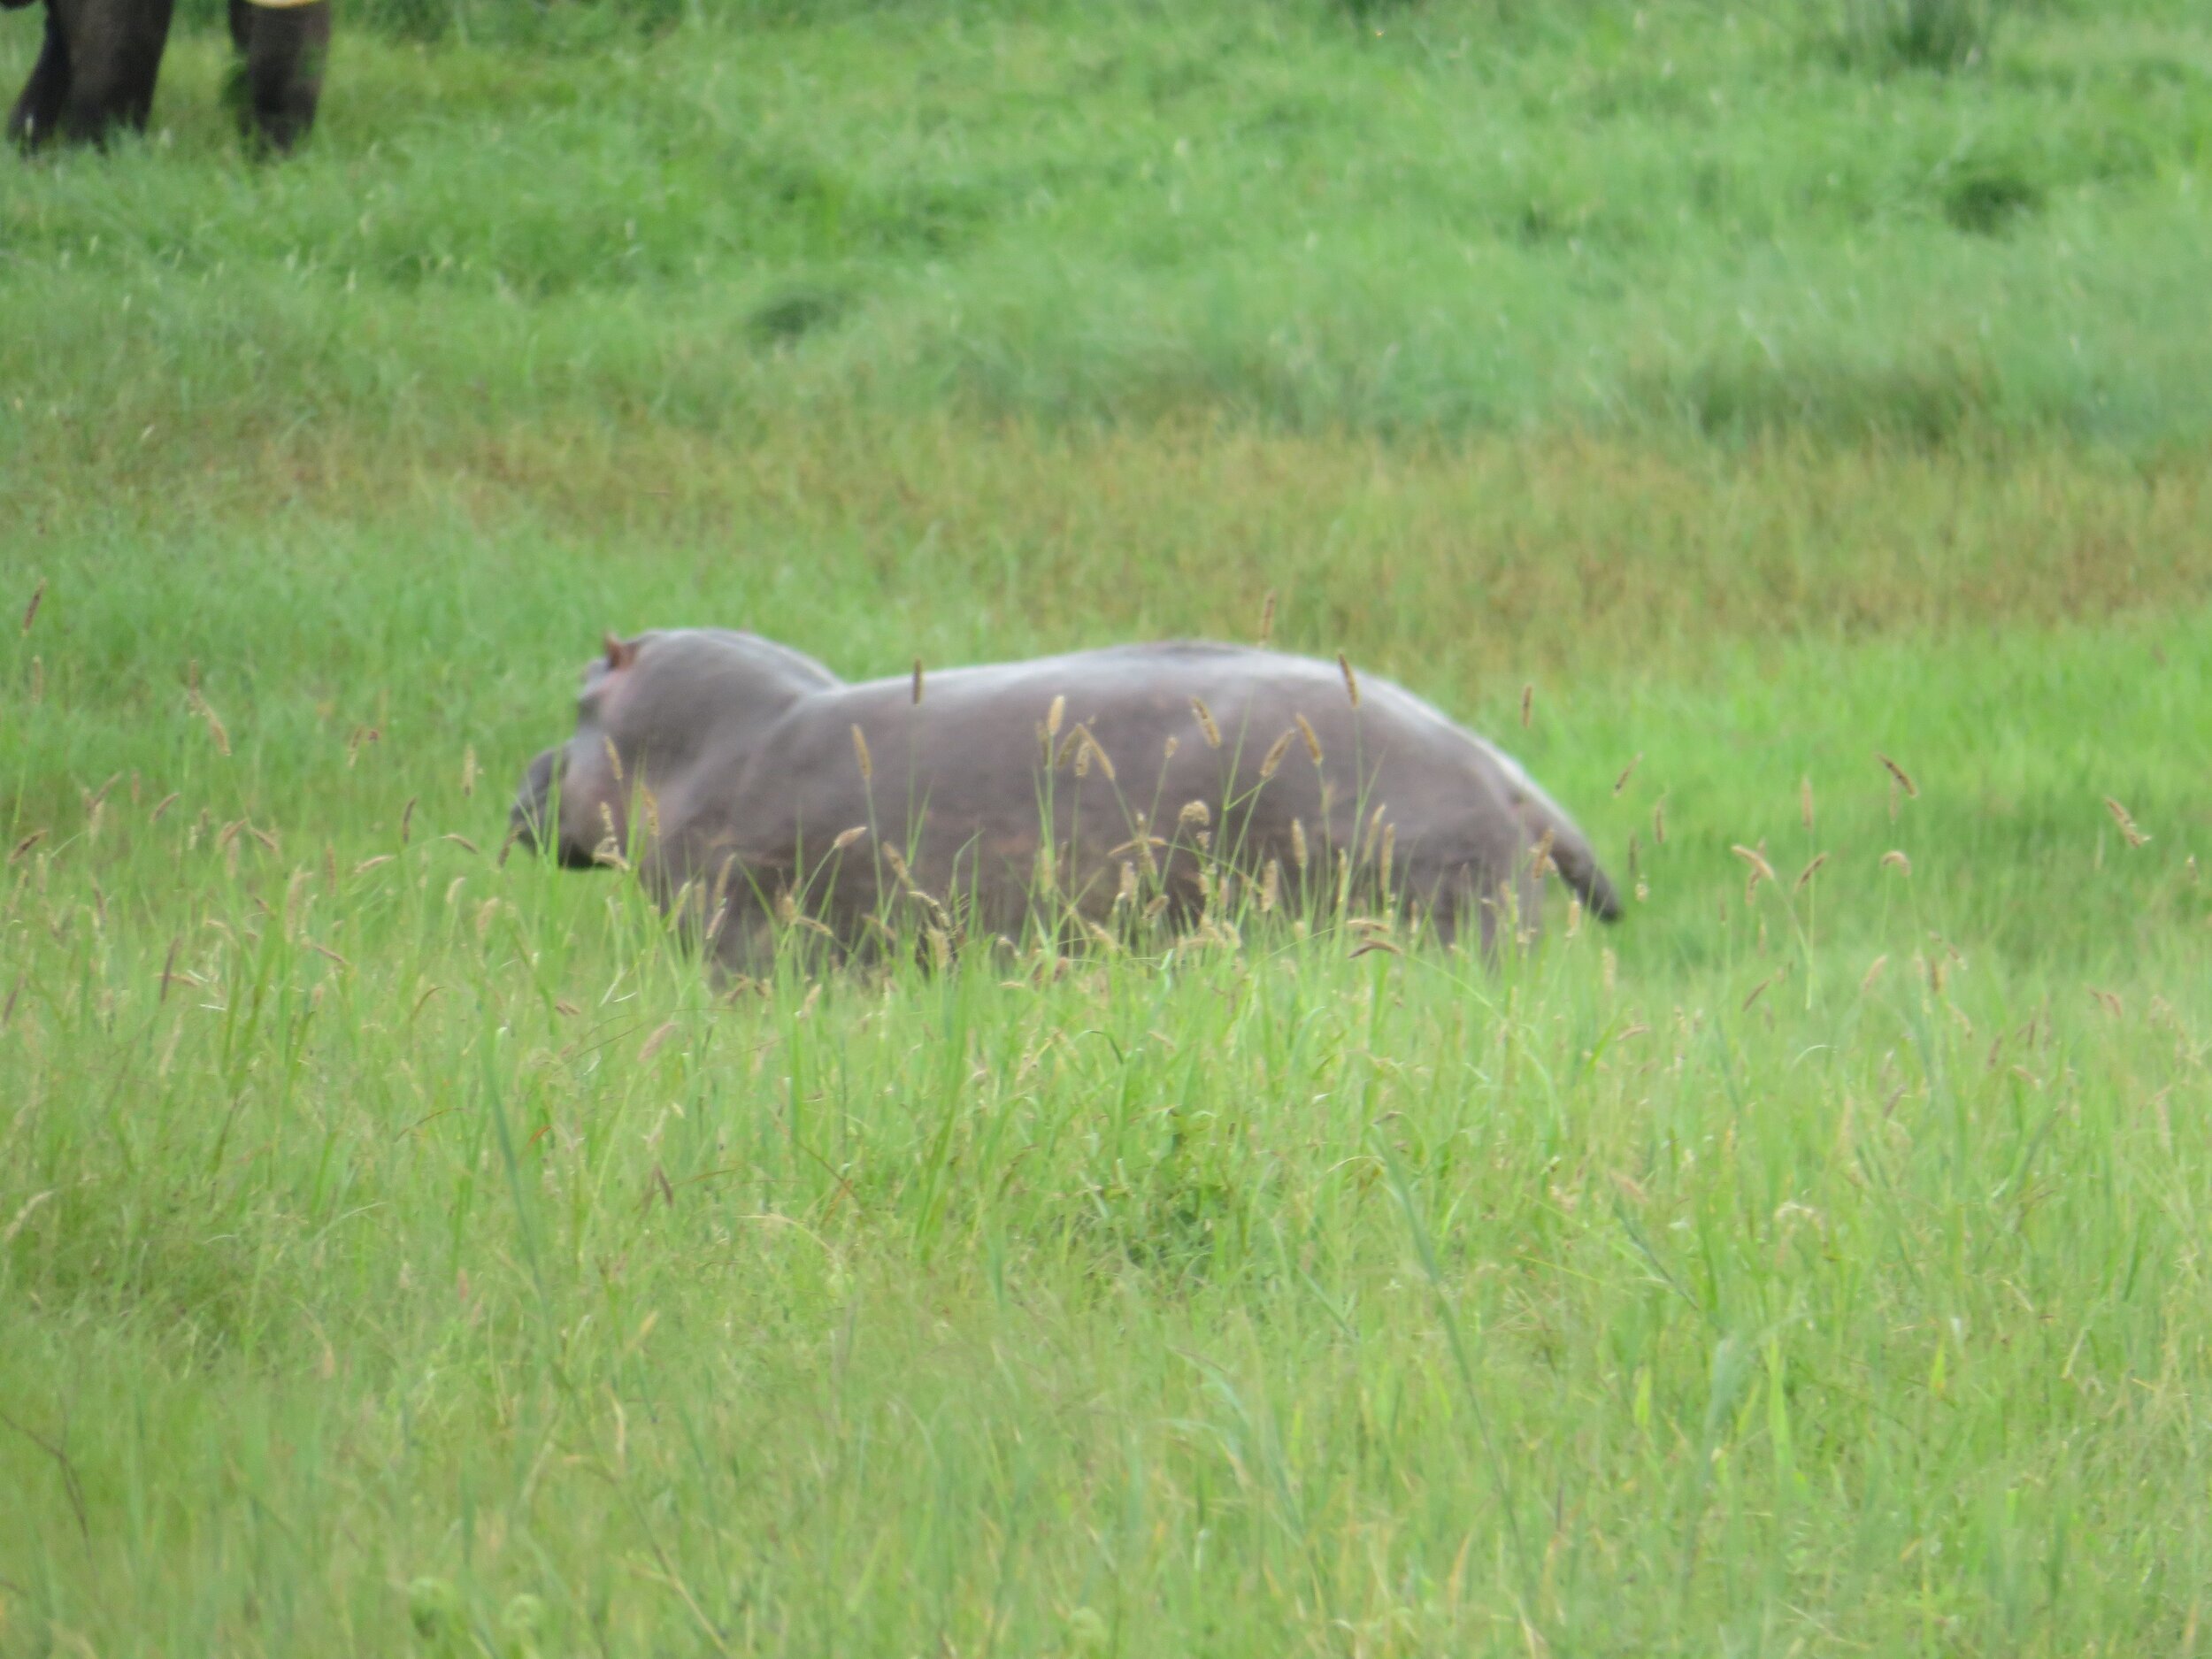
[1540, 862]
[2133, 836]
[1206, 722]
[215, 729]
[860, 755]
[1057, 713]
[1761, 870]
[1274, 757]
[1351, 679]
[1313, 743]
[1098, 753]
[1143, 842]
[1298, 843]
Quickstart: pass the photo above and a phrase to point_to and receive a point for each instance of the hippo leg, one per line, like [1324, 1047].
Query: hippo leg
[1469, 909]
[745, 940]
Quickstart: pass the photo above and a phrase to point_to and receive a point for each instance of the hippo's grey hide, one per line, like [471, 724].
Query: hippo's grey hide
[728, 768]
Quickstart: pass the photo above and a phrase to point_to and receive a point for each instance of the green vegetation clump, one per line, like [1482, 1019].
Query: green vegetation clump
[1801, 469]
[1939, 35]
[1459, 220]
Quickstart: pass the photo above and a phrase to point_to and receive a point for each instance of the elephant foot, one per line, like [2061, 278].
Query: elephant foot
[279, 79]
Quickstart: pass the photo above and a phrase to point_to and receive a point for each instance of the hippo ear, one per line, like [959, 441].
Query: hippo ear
[620, 654]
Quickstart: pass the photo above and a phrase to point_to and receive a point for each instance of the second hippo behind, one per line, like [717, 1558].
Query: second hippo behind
[749, 785]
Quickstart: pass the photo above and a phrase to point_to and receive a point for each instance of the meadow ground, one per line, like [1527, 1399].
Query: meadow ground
[401, 1251]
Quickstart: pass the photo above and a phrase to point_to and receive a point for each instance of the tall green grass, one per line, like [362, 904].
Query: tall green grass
[1666, 221]
[392, 1234]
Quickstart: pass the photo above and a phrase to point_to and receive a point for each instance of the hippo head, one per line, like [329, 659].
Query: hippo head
[573, 801]
[653, 710]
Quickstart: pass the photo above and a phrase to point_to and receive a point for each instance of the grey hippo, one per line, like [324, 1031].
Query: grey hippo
[1185, 784]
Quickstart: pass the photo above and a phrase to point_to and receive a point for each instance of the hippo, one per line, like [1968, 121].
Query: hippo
[1185, 784]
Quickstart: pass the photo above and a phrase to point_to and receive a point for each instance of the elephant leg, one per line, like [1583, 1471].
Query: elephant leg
[115, 49]
[281, 50]
[37, 113]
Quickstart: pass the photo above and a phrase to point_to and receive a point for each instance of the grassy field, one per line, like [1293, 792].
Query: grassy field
[405, 1252]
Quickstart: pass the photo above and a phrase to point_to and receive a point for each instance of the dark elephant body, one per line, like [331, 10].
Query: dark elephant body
[1161, 770]
[101, 58]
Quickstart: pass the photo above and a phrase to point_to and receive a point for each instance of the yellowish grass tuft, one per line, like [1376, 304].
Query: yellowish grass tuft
[1206, 722]
[215, 729]
[2132, 835]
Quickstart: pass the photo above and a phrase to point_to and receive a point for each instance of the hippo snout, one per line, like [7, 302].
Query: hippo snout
[528, 820]
[536, 822]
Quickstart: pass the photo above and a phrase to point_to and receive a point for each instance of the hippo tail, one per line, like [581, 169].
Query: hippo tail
[1579, 868]
[1548, 826]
